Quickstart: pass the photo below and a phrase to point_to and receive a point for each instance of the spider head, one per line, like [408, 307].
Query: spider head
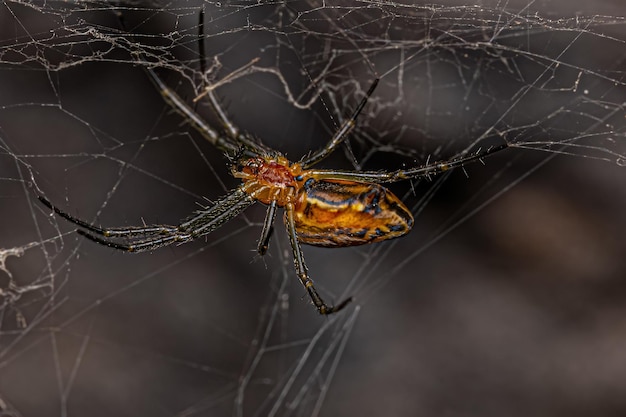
[274, 170]
[275, 175]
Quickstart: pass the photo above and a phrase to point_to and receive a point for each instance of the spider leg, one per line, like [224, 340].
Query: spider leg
[268, 228]
[405, 174]
[225, 143]
[203, 223]
[301, 269]
[224, 209]
[341, 134]
[182, 108]
[229, 127]
[132, 231]
[140, 245]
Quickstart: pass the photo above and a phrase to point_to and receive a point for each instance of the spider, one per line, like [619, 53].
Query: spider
[327, 208]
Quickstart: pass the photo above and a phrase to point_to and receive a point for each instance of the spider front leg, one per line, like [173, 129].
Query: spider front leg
[140, 238]
[301, 269]
[147, 238]
[142, 245]
[126, 232]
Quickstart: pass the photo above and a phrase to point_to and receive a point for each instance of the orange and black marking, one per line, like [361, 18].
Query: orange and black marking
[326, 212]
[336, 213]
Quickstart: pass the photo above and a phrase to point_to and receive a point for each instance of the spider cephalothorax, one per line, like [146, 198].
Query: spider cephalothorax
[269, 178]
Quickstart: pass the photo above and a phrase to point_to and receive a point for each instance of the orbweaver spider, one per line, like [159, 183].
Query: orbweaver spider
[328, 208]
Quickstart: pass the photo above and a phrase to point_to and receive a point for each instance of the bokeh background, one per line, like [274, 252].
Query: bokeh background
[506, 299]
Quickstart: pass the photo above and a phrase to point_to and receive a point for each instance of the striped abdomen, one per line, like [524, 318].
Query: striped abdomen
[334, 213]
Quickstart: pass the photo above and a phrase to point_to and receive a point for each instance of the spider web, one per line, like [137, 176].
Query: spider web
[506, 299]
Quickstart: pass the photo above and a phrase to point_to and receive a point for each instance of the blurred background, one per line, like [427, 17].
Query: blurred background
[507, 298]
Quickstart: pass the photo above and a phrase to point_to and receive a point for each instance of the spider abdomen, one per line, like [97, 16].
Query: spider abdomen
[335, 213]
